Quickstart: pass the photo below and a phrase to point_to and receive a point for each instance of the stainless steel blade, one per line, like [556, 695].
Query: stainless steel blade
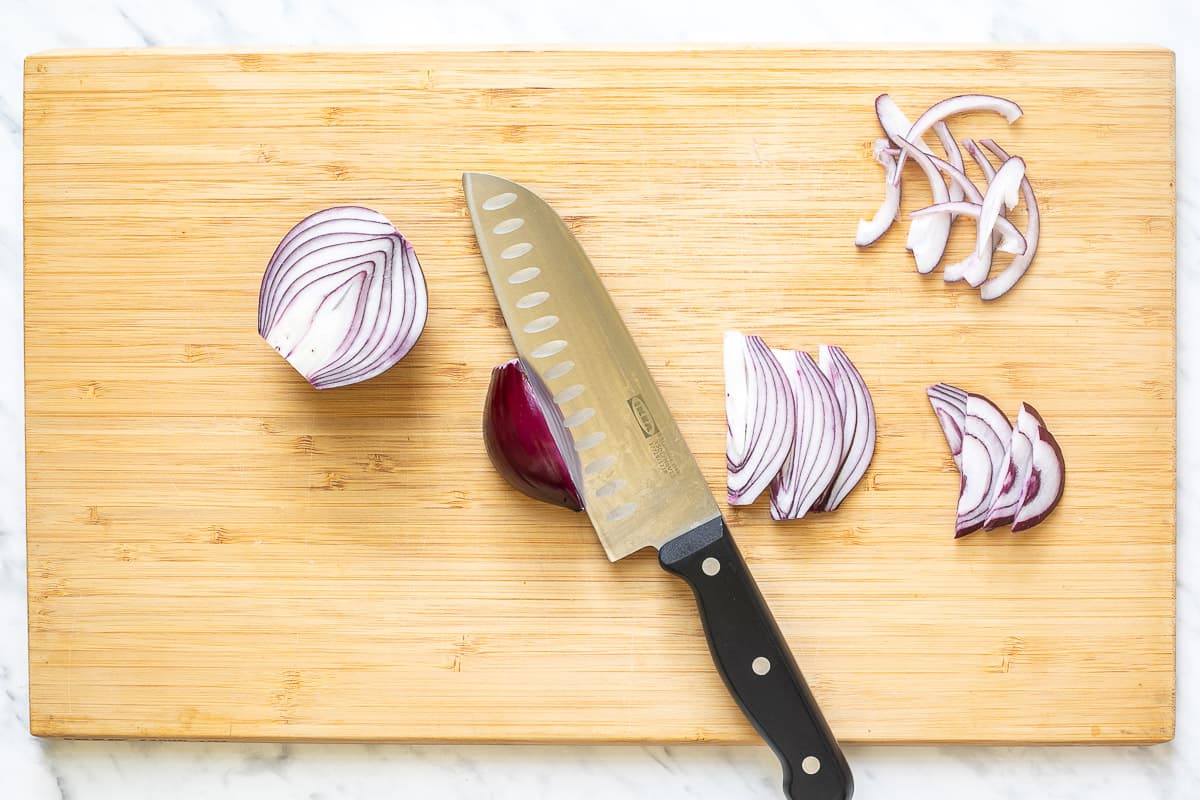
[641, 484]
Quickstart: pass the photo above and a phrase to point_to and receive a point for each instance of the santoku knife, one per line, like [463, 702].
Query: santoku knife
[641, 485]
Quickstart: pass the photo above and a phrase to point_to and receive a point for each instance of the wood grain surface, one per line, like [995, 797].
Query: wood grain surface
[218, 551]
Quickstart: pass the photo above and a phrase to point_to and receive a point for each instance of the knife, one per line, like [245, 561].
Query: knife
[641, 485]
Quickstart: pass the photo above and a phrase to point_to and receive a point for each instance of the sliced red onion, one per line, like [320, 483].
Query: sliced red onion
[817, 448]
[1011, 242]
[870, 231]
[760, 414]
[1044, 485]
[954, 156]
[966, 187]
[989, 172]
[1014, 472]
[858, 420]
[962, 104]
[927, 241]
[1000, 284]
[343, 298]
[893, 121]
[950, 405]
[526, 439]
[985, 165]
[923, 236]
[985, 435]
[1002, 192]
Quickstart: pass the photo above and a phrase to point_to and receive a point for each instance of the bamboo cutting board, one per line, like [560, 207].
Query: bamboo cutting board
[218, 551]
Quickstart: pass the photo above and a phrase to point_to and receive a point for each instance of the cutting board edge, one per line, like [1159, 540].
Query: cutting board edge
[1151, 735]
[608, 47]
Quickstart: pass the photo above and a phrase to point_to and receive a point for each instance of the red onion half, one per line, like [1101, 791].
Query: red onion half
[526, 439]
[343, 298]
[760, 416]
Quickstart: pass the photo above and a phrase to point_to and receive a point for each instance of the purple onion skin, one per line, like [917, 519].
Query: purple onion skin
[519, 442]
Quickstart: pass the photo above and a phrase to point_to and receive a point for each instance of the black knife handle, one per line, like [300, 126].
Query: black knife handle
[757, 665]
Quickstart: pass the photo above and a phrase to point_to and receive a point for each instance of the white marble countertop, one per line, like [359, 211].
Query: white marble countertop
[38, 770]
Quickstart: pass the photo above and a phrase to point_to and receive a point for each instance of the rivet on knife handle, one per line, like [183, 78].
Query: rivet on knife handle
[757, 665]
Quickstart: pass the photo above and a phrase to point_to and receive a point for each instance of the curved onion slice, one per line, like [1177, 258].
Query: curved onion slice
[967, 188]
[1012, 241]
[1014, 472]
[962, 104]
[950, 406]
[343, 297]
[923, 235]
[817, 449]
[985, 165]
[989, 172]
[760, 414]
[999, 285]
[954, 156]
[1044, 486]
[1002, 192]
[927, 241]
[858, 415]
[985, 436]
[526, 439]
[893, 121]
[870, 231]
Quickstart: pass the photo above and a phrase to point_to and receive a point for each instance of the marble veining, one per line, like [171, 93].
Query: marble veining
[48, 770]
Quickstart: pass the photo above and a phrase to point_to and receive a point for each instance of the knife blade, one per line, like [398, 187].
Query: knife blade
[641, 485]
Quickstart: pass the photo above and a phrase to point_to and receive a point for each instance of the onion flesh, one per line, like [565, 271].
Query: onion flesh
[1002, 192]
[526, 439]
[927, 241]
[985, 436]
[1009, 475]
[967, 188]
[954, 157]
[1044, 484]
[760, 414]
[989, 172]
[869, 231]
[929, 229]
[1012, 240]
[962, 104]
[998, 286]
[985, 165]
[343, 298]
[950, 406]
[817, 449]
[923, 236]
[858, 417]
[1014, 472]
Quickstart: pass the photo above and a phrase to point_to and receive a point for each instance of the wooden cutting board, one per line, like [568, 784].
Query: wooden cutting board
[218, 551]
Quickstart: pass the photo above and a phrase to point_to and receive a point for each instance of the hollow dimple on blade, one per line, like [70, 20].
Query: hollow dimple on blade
[641, 485]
